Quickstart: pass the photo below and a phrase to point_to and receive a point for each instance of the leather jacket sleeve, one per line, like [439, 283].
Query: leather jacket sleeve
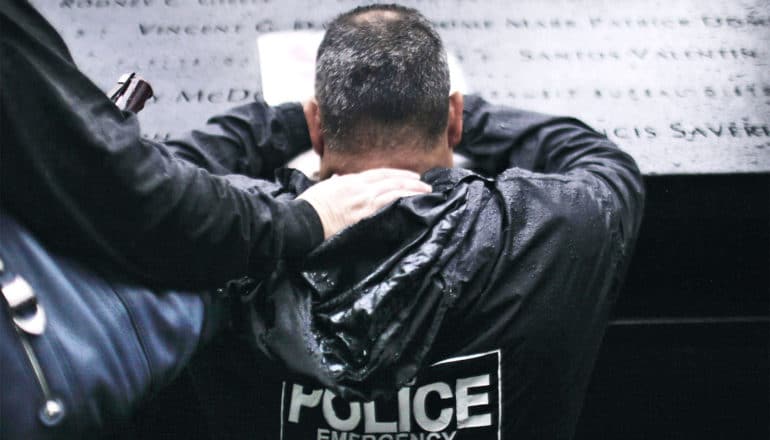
[77, 172]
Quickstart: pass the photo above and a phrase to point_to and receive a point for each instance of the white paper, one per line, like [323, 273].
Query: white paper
[287, 64]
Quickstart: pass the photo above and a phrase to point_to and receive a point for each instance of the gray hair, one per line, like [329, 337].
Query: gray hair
[381, 74]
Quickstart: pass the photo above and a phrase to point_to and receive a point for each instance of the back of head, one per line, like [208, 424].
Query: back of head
[382, 80]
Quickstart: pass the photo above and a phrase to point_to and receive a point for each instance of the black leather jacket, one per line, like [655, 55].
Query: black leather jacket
[76, 171]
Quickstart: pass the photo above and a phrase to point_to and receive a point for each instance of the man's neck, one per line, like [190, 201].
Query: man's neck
[417, 160]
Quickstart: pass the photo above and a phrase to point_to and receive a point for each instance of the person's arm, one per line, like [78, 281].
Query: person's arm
[515, 144]
[252, 139]
[77, 172]
[572, 204]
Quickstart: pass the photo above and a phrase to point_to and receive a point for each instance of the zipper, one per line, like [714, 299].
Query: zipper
[29, 320]
[53, 409]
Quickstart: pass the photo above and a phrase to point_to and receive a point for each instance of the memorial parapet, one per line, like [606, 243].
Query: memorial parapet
[684, 86]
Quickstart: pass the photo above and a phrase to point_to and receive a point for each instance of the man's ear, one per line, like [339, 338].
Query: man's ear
[455, 125]
[313, 119]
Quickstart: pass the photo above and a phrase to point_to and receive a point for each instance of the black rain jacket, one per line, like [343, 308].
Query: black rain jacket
[524, 263]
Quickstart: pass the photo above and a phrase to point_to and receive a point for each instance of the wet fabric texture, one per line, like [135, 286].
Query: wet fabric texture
[361, 312]
[500, 282]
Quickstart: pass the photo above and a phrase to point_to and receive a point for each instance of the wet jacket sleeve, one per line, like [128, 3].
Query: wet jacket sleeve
[77, 172]
[252, 139]
[571, 203]
[509, 143]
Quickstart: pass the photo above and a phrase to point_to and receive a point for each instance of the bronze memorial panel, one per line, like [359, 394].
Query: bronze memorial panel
[684, 86]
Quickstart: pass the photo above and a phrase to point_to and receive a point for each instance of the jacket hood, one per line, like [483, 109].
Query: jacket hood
[361, 312]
